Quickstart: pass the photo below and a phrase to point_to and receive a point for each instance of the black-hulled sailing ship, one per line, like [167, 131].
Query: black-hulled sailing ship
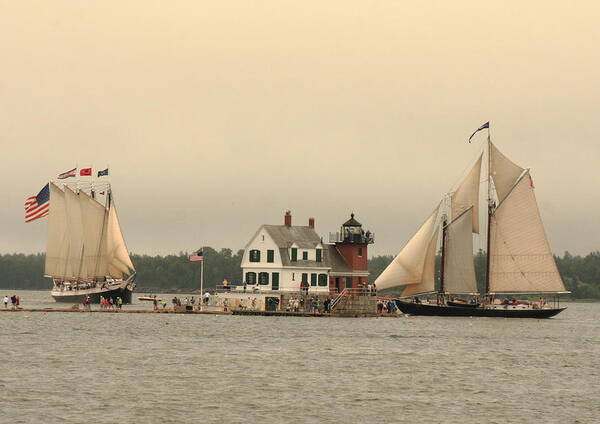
[519, 259]
[86, 254]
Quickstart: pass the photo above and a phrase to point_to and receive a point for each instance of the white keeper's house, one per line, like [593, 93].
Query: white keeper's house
[287, 258]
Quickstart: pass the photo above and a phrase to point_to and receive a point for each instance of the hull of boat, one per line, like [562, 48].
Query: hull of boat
[457, 311]
[77, 296]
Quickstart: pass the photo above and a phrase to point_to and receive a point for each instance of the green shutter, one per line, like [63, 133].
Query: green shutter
[305, 256]
[319, 255]
[270, 256]
[275, 281]
[305, 277]
[313, 279]
[255, 255]
[294, 254]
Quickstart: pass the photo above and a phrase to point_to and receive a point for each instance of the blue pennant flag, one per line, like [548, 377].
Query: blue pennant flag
[483, 127]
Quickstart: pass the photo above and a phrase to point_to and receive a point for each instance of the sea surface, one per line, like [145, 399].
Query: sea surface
[167, 368]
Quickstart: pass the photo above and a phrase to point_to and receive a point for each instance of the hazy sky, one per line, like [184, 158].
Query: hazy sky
[216, 117]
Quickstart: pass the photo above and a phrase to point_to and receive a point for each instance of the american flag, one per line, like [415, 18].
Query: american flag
[68, 174]
[37, 206]
[197, 257]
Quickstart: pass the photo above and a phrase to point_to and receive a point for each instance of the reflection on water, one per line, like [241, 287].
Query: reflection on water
[60, 367]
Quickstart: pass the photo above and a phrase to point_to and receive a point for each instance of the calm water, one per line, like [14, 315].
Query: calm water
[107, 368]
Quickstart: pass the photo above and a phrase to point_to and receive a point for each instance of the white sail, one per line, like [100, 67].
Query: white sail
[503, 171]
[427, 283]
[73, 266]
[467, 195]
[411, 265]
[119, 262]
[459, 269]
[56, 246]
[520, 255]
[95, 218]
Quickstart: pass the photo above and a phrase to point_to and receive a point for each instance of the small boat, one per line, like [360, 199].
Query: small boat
[463, 304]
[149, 298]
[519, 259]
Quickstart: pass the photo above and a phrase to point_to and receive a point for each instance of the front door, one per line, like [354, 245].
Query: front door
[275, 281]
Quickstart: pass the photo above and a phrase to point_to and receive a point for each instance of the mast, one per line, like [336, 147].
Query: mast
[489, 215]
[444, 225]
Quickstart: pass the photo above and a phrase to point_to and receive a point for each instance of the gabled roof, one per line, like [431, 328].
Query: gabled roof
[304, 236]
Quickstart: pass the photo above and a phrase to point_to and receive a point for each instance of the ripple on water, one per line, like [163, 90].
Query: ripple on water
[58, 368]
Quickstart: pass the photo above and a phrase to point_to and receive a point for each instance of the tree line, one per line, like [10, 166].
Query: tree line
[173, 273]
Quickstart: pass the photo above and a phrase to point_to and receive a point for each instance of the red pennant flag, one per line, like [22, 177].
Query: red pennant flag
[85, 172]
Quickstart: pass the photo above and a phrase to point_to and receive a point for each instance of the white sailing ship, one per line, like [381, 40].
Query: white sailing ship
[519, 259]
[86, 254]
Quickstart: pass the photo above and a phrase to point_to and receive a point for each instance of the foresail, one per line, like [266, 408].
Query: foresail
[427, 283]
[56, 246]
[520, 255]
[467, 195]
[411, 265]
[503, 171]
[119, 262]
[459, 269]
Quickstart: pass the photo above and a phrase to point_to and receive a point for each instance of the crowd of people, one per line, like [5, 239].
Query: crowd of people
[108, 302]
[14, 300]
[387, 307]
[312, 304]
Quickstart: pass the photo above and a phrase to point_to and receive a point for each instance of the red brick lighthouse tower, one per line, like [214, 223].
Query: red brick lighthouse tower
[351, 243]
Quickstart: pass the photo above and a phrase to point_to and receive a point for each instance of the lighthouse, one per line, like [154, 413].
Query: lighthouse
[351, 242]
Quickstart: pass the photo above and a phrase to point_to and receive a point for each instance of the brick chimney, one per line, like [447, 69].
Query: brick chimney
[287, 219]
[311, 222]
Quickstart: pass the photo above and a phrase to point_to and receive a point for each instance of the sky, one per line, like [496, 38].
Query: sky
[218, 116]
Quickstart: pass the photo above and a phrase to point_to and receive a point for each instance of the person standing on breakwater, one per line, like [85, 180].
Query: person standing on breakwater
[5, 302]
[13, 300]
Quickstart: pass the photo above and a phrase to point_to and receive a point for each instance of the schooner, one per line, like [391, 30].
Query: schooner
[86, 255]
[519, 259]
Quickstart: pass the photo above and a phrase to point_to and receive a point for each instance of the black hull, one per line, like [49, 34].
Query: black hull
[74, 297]
[457, 311]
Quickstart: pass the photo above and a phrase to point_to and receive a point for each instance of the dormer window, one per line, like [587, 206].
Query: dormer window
[319, 255]
[305, 256]
[294, 254]
[255, 255]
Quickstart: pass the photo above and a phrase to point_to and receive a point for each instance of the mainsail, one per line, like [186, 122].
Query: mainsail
[415, 264]
[520, 255]
[459, 270]
[94, 222]
[467, 195]
[73, 266]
